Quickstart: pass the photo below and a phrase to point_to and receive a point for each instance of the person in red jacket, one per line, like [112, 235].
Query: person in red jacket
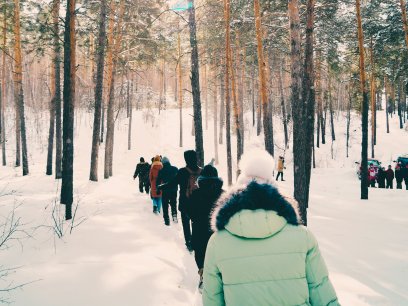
[390, 177]
[372, 176]
[155, 194]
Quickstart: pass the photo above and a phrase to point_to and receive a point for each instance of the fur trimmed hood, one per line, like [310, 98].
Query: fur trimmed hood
[251, 204]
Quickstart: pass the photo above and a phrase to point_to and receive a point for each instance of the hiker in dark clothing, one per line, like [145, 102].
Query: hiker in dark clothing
[142, 171]
[405, 175]
[187, 180]
[199, 208]
[381, 177]
[169, 196]
[390, 177]
[399, 175]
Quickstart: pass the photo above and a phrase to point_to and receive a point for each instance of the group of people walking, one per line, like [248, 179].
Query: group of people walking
[249, 246]
[385, 178]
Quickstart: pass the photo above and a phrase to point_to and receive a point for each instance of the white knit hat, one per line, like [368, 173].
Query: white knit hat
[256, 164]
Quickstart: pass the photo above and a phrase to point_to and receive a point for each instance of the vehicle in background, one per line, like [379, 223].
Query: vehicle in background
[371, 161]
[403, 159]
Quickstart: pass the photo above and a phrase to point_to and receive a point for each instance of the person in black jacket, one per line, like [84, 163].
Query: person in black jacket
[381, 177]
[142, 171]
[187, 180]
[405, 175]
[399, 175]
[169, 196]
[390, 177]
[199, 208]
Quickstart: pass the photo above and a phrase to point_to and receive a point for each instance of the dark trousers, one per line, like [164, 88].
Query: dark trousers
[399, 184]
[144, 185]
[281, 175]
[381, 184]
[389, 184]
[169, 198]
[406, 183]
[372, 183]
[199, 256]
[185, 219]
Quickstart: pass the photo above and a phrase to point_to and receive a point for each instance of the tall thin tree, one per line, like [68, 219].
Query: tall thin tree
[227, 88]
[3, 89]
[67, 186]
[18, 85]
[100, 63]
[364, 108]
[195, 84]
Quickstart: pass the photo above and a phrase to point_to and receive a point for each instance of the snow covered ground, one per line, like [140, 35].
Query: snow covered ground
[119, 253]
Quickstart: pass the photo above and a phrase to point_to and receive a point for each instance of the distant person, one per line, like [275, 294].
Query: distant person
[381, 177]
[259, 254]
[390, 177]
[399, 175]
[199, 208]
[372, 176]
[155, 194]
[187, 180]
[405, 175]
[142, 171]
[169, 195]
[281, 166]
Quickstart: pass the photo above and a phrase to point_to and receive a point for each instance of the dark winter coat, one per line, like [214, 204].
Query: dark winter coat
[166, 175]
[142, 171]
[390, 175]
[154, 173]
[399, 175]
[404, 172]
[381, 177]
[259, 255]
[199, 208]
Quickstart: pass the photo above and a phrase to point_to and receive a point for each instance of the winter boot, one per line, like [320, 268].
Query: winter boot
[155, 210]
[167, 222]
[175, 220]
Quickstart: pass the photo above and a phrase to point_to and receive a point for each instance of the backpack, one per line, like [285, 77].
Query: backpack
[192, 181]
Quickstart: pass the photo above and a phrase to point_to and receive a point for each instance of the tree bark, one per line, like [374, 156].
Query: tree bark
[283, 106]
[404, 20]
[227, 88]
[67, 189]
[262, 80]
[130, 103]
[348, 121]
[215, 109]
[222, 104]
[18, 83]
[3, 89]
[58, 102]
[364, 118]
[100, 66]
[195, 85]
[55, 62]
[372, 97]
[180, 89]
[110, 120]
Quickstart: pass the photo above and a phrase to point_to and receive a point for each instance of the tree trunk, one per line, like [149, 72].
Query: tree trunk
[331, 111]
[348, 121]
[215, 109]
[3, 89]
[115, 44]
[303, 114]
[227, 87]
[18, 83]
[55, 20]
[283, 106]
[253, 95]
[372, 97]
[222, 104]
[364, 119]
[400, 115]
[130, 103]
[195, 85]
[404, 20]
[235, 106]
[69, 107]
[262, 80]
[387, 103]
[100, 64]
[180, 89]
[58, 102]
